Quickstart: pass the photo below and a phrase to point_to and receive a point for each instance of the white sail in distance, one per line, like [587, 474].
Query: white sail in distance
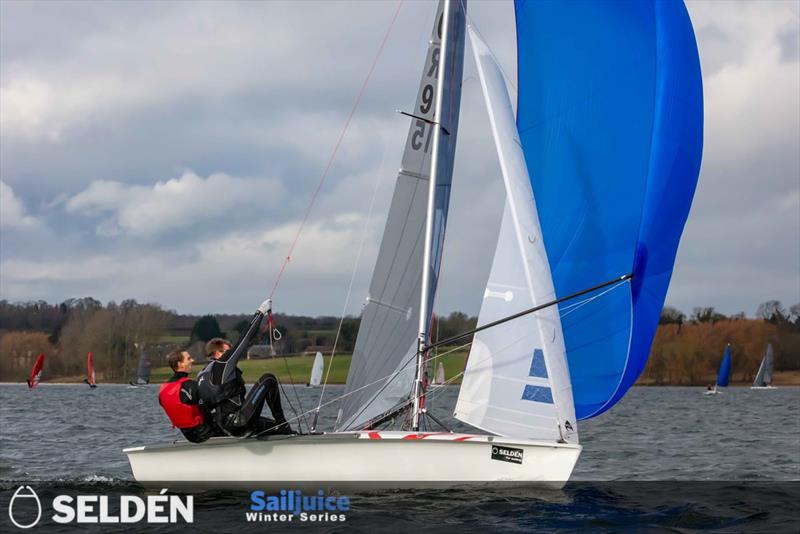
[516, 382]
[382, 369]
[766, 369]
[316, 370]
[439, 379]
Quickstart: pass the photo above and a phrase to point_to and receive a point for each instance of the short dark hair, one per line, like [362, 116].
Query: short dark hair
[216, 344]
[174, 358]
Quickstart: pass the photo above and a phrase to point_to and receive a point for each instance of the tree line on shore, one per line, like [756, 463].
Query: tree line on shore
[685, 351]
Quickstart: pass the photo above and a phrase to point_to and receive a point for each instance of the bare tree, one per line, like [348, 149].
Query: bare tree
[772, 311]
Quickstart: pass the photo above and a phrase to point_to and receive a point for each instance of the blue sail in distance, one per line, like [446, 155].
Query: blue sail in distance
[610, 115]
[725, 368]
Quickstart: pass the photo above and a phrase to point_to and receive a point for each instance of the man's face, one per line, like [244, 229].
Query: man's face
[185, 365]
[218, 353]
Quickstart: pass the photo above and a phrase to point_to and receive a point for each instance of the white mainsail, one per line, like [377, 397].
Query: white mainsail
[382, 370]
[316, 370]
[765, 370]
[516, 382]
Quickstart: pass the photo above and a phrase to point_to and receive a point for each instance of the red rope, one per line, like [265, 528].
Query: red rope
[336, 148]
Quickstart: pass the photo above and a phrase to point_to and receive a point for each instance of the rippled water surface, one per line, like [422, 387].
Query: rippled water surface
[74, 434]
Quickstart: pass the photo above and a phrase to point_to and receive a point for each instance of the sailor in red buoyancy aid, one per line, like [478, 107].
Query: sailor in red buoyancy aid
[179, 398]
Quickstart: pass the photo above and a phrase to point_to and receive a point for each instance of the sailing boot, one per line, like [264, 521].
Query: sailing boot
[282, 427]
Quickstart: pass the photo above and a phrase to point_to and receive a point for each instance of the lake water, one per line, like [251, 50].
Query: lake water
[663, 458]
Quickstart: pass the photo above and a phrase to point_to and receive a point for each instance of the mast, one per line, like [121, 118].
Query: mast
[382, 374]
[424, 317]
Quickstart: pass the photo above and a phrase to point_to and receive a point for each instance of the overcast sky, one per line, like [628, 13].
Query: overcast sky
[167, 152]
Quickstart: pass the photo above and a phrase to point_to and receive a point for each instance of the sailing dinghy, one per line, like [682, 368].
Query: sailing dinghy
[599, 166]
[90, 372]
[36, 372]
[724, 375]
[316, 371]
[438, 378]
[763, 378]
[142, 371]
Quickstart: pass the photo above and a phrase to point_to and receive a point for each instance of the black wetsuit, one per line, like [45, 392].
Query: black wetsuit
[190, 395]
[239, 412]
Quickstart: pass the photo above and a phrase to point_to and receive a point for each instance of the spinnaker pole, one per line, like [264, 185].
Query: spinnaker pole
[424, 317]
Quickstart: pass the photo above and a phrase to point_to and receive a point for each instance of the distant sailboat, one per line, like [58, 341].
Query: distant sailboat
[765, 371]
[142, 371]
[438, 379]
[316, 371]
[724, 372]
[90, 370]
[36, 372]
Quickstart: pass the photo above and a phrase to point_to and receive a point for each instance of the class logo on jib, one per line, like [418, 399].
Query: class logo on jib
[22, 503]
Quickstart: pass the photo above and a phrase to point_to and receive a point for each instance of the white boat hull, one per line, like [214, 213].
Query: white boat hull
[356, 460]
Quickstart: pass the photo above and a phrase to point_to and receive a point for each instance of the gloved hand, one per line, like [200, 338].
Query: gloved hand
[265, 307]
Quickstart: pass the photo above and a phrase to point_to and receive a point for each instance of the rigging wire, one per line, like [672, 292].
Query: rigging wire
[614, 283]
[412, 358]
[357, 260]
[291, 405]
[387, 377]
[335, 150]
[270, 326]
[574, 307]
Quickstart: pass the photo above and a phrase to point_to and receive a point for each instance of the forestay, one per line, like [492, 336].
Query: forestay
[382, 368]
[516, 382]
[610, 116]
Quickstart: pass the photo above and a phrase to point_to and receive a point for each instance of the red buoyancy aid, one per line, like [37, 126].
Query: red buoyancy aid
[181, 415]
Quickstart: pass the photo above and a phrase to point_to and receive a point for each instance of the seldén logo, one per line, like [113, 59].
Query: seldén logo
[101, 509]
[27, 499]
[291, 505]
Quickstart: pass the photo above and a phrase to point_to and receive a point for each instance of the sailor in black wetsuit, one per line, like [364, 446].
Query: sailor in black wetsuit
[180, 399]
[223, 392]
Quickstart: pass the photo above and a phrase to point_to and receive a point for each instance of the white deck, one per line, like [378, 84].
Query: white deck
[356, 460]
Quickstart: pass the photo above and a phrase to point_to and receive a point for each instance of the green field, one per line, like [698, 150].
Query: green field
[299, 368]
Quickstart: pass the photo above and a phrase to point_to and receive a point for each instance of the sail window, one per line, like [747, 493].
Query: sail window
[538, 367]
[537, 394]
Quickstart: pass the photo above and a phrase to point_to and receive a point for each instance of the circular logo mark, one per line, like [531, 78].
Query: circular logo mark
[26, 493]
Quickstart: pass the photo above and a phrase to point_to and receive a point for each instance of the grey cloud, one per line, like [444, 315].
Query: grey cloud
[261, 90]
[789, 40]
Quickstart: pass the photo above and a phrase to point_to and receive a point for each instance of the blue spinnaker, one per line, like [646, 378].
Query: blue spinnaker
[725, 368]
[610, 115]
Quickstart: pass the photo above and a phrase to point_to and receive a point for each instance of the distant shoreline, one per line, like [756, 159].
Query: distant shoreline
[782, 378]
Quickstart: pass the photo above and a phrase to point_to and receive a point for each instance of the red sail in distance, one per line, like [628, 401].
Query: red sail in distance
[36, 372]
[90, 366]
